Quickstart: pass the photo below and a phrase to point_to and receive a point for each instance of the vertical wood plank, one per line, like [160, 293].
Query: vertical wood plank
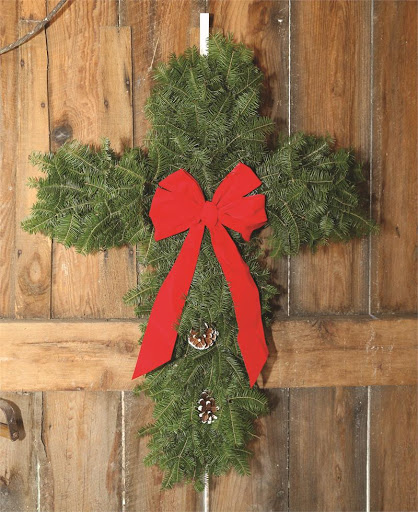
[8, 142]
[394, 252]
[32, 252]
[327, 449]
[76, 107]
[393, 449]
[263, 26]
[159, 28]
[330, 93]
[393, 425]
[20, 461]
[89, 71]
[82, 438]
[267, 486]
[143, 484]
[117, 267]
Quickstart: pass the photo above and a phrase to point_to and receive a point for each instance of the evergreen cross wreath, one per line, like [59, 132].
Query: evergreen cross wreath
[207, 165]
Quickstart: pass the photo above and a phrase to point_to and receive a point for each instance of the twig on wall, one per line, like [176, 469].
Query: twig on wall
[35, 30]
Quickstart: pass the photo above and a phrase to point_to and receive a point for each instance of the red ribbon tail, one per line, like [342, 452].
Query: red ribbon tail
[161, 332]
[246, 301]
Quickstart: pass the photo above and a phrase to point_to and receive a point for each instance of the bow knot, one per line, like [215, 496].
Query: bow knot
[209, 214]
[179, 205]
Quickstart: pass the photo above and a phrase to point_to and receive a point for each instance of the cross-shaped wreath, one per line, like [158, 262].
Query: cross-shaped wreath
[207, 180]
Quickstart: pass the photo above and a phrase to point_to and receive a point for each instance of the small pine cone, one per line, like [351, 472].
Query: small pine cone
[202, 341]
[207, 408]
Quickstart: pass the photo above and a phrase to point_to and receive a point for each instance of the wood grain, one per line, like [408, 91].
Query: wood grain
[159, 28]
[81, 432]
[76, 106]
[330, 76]
[263, 25]
[117, 267]
[330, 93]
[393, 449]
[143, 484]
[9, 63]
[393, 459]
[334, 351]
[327, 446]
[32, 252]
[20, 461]
[267, 486]
[394, 251]
[303, 352]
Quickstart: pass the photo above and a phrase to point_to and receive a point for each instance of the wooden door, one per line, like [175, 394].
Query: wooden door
[342, 380]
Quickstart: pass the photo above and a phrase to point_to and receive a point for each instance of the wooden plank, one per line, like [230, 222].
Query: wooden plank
[159, 28]
[327, 463]
[143, 484]
[20, 461]
[83, 443]
[267, 486]
[117, 267]
[264, 27]
[33, 252]
[394, 276]
[304, 352]
[330, 93]
[8, 142]
[338, 351]
[82, 430]
[393, 425]
[76, 107]
[393, 449]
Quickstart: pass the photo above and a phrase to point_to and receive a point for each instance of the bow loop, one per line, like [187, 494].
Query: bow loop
[176, 205]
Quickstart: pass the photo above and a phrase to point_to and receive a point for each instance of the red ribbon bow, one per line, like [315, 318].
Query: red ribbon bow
[179, 205]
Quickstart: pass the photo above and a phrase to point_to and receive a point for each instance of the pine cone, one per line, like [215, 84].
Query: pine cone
[207, 408]
[202, 341]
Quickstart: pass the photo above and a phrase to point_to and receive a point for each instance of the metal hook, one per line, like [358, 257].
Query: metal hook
[10, 428]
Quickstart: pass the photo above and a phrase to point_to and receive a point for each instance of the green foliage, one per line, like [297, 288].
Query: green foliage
[91, 199]
[311, 193]
[203, 113]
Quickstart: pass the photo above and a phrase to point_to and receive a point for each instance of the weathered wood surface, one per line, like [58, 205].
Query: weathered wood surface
[9, 135]
[393, 422]
[393, 449]
[159, 28]
[81, 434]
[330, 93]
[32, 252]
[394, 186]
[315, 436]
[267, 486]
[327, 445]
[20, 461]
[304, 352]
[29, 257]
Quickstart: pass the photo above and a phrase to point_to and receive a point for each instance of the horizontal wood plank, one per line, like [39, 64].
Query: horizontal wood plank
[304, 352]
